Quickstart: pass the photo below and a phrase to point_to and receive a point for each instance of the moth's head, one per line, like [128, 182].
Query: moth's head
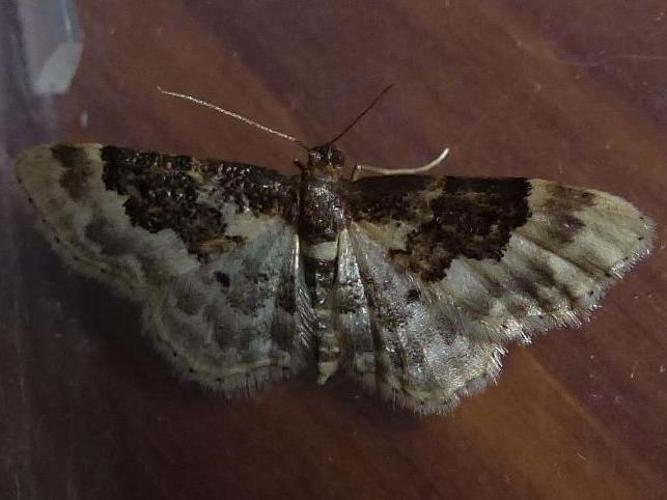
[325, 158]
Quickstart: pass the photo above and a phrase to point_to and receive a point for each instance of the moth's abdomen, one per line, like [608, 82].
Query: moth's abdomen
[319, 226]
[320, 273]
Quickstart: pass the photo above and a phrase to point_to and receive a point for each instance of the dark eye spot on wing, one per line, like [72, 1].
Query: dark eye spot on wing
[413, 295]
[222, 278]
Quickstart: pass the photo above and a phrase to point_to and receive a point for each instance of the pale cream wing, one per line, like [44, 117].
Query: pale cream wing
[444, 272]
[208, 247]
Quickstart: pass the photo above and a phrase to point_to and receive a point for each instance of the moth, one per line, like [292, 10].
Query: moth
[412, 284]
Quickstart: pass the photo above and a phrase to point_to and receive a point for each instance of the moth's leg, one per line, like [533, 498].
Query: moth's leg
[400, 171]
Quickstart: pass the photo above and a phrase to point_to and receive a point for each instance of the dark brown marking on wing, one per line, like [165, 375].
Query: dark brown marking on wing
[77, 169]
[454, 216]
[563, 203]
[382, 199]
[286, 296]
[164, 191]
[251, 188]
[543, 274]
[286, 292]
[473, 218]
[250, 292]
[391, 316]
[111, 243]
[413, 295]
[222, 278]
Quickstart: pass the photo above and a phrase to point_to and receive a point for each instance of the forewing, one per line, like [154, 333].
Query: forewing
[475, 263]
[209, 247]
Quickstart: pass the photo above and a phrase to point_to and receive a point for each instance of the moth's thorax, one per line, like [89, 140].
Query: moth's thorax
[321, 210]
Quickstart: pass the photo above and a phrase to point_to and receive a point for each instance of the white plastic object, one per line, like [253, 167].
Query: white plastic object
[52, 42]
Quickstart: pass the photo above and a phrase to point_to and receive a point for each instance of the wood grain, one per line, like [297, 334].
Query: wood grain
[573, 91]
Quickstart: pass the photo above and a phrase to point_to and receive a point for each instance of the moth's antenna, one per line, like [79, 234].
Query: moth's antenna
[361, 115]
[245, 120]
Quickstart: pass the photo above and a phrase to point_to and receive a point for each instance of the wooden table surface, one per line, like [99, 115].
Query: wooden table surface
[574, 90]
